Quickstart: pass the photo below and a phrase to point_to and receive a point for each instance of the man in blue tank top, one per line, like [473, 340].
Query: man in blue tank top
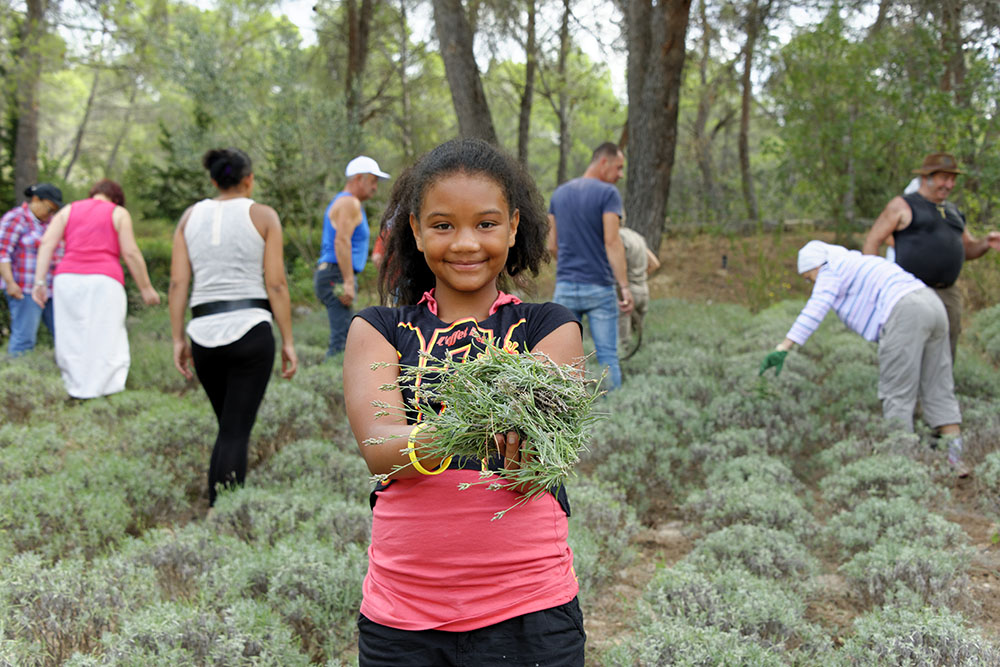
[929, 235]
[345, 244]
[585, 215]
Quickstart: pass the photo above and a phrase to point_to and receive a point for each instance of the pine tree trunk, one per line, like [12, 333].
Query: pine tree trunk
[656, 33]
[29, 73]
[455, 37]
[527, 95]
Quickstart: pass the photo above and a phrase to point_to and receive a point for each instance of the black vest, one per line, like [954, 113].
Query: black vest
[931, 247]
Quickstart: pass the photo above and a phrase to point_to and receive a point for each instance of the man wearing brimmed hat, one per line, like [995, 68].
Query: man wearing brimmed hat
[345, 244]
[930, 236]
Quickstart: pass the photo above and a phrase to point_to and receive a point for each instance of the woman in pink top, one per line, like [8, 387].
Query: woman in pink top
[92, 347]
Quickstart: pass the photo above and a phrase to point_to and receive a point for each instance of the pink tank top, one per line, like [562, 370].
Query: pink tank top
[91, 241]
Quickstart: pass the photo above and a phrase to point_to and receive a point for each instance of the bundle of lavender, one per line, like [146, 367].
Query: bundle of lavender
[548, 405]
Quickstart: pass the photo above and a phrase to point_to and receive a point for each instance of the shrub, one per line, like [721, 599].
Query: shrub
[753, 503]
[936, 575]
[880, 476]
[181, 433]
[731, 600]
[25, 391]
[181, 557]
[152, 366]
[315, 589]
[246, 632]
[761, 551]
[319, 463]
[287, 413]
[266, 516]
[323, 380]
[752, 468]
[900, 520]
[29, 451]
[600, 530]
[672, 641]
[88, 506]
[731, 443]
[988, 479]
[64, 608]
[852, 449]
[919, 637]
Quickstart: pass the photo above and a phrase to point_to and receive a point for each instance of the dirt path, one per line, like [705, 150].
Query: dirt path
[661, 544]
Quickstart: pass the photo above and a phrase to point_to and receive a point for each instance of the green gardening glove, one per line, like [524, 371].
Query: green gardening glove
[774, 359]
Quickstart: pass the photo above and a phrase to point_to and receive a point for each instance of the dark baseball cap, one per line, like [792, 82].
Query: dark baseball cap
[46, 191]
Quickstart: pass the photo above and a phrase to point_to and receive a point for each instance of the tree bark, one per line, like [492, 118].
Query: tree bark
[29, 73]
[405, 125]
[703, 141]
[656, 32]
[562, 112]
[746, 100]
[78, 138]
[126, 123]
[527, 95]
[455, 37]
[359, 23]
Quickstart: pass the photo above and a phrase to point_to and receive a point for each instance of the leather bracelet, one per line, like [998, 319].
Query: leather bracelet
[411, 450]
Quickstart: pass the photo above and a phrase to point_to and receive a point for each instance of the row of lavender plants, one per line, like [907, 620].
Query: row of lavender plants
[789, 487]
[795, 493]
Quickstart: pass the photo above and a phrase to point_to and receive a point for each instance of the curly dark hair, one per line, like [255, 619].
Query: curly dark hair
[227, 166]
[404, 275]
[109, 189]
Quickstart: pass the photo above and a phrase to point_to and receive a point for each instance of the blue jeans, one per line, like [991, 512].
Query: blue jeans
[24, 318]
[328, 285]
[600, 304]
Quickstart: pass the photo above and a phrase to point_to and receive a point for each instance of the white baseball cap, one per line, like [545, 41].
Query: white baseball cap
[364, 165]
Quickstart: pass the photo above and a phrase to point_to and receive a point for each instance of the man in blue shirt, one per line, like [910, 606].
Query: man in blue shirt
[345, 244]
[585, 215]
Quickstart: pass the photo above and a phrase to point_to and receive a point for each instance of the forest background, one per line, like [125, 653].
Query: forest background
[735, 114]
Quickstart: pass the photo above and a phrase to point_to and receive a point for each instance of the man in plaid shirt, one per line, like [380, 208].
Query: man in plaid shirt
[21, 230]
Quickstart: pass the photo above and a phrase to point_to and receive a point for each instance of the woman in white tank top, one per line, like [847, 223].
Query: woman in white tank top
[232, 248]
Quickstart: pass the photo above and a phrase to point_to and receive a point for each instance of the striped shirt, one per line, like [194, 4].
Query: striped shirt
[861, 289]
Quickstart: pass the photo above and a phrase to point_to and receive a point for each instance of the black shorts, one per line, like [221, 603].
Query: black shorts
[551, 637]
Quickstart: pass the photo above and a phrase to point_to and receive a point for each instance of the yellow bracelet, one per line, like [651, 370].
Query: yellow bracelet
[411, 450]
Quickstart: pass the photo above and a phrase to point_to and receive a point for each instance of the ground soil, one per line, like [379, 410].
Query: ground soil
[756, 271]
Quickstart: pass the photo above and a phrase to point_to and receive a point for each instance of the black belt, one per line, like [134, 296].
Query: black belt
[213, 307]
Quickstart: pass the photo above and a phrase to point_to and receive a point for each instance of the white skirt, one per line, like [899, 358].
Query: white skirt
[92, 344]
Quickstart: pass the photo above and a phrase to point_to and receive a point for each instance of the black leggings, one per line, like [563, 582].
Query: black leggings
[234, 377]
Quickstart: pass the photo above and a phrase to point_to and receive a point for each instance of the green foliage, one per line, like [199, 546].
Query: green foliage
[880, 476]
[314, 588]
[245, 632]
[63, 608]
[29, 451]
[287, 413]
[900, 520]
[919, 637]
[497, 391]
[25, 392]
[935, 575]
[601, 528]
[763, 552]
[179, 434]
[730, 601]
[319, 464]
[267, 516]
[88, 506]
[672, 641]
[758, 503]
[751, 468]
[988, 479]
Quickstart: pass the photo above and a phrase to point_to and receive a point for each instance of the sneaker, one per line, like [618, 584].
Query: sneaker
[959, 468]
